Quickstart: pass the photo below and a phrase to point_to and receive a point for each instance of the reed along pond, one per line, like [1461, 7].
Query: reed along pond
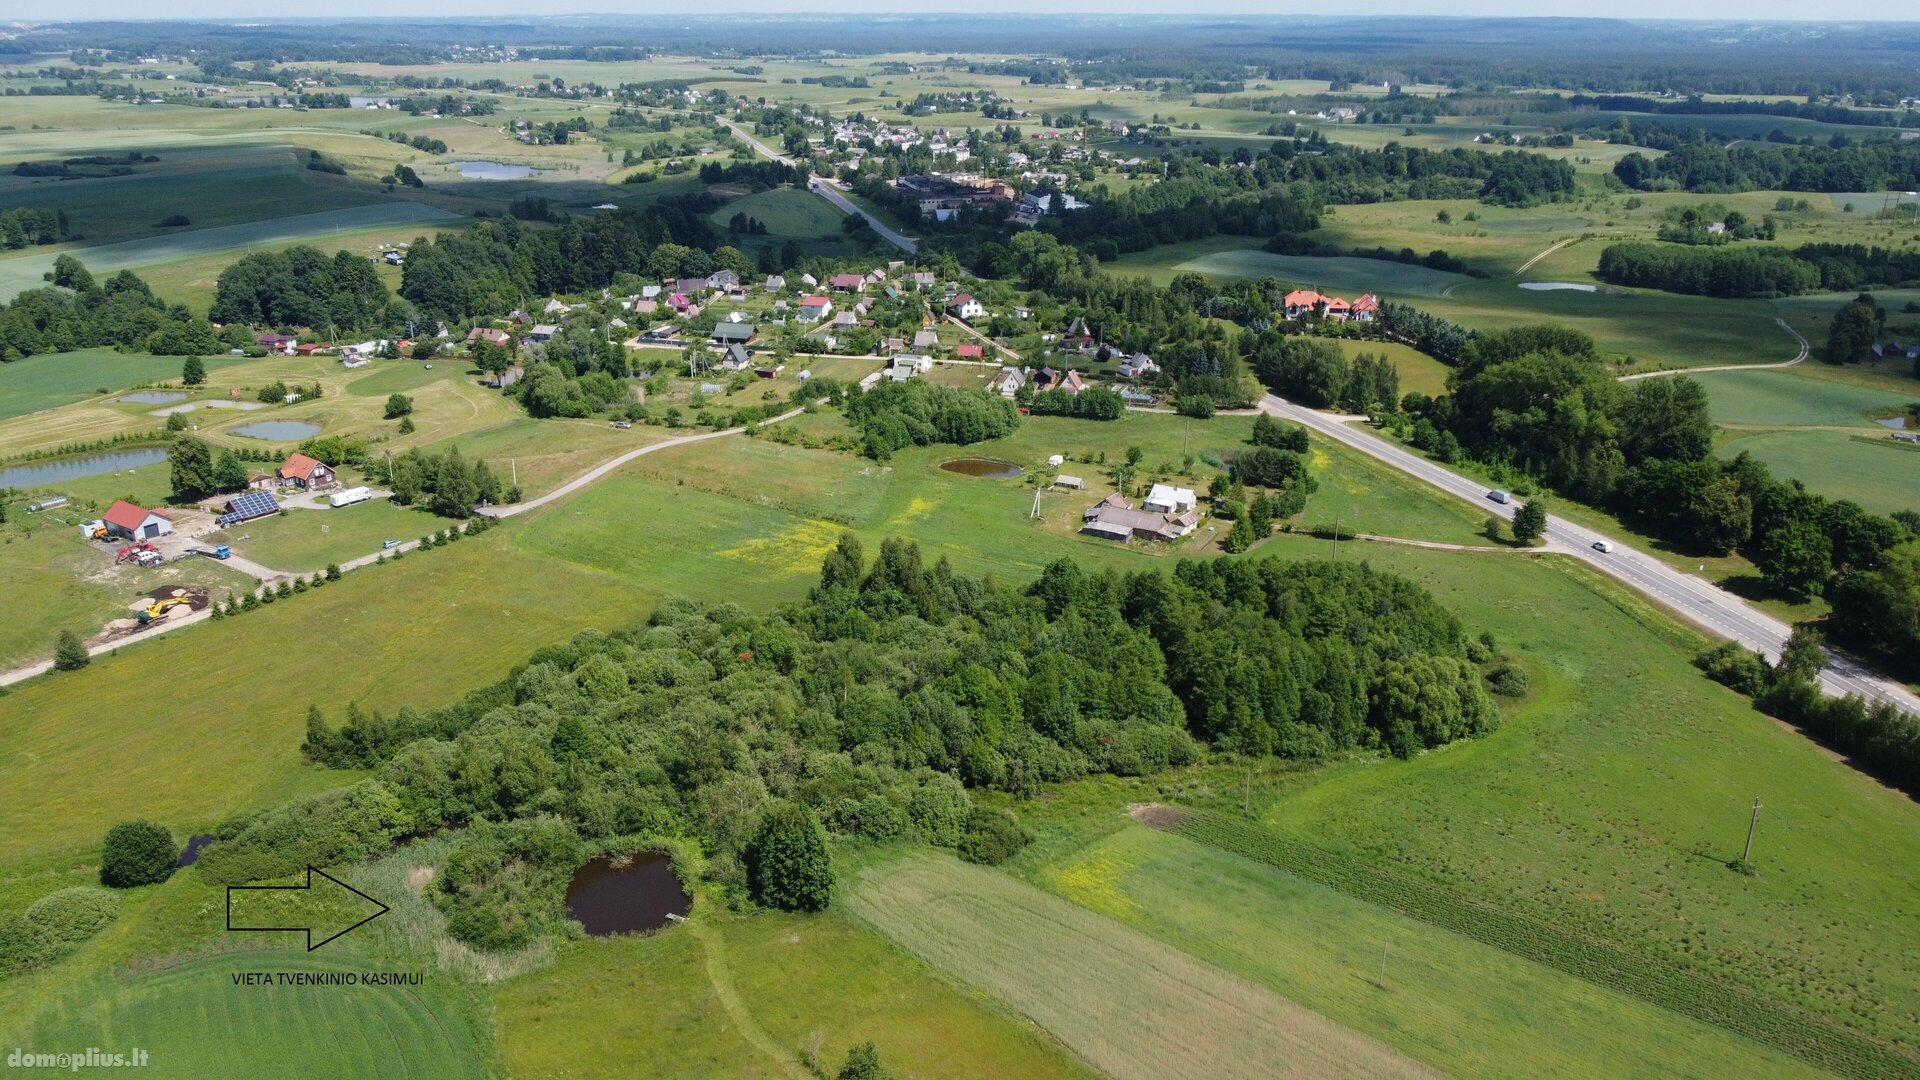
[617, 894]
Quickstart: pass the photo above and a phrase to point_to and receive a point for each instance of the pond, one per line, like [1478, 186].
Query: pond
[1893, 422]
[277, 430]
[221, 403]
[1558, 286]
[494, 170]
[151, 397]
[192, 854]
[63, 469]
[989, 468]
[626, 894]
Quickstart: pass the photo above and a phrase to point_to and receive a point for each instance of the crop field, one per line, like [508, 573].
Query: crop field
[1127, 1004]
[193, 1023]
[24, 272]
[1872, 470]
[1652, 328]
[1793, 398]
[1233, 257]
[1610, 802]
[784, 979]
[54, 379]
[188, 751]
[1456, 1004]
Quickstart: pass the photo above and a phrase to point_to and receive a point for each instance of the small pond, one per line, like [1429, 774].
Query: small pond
[194, 845]
[626, 895]
[1893, 422]
[61, 470]
[494, 170]
[220, 403]
[989, 468]
[277, 430]
[1558, 286]
[151, 397]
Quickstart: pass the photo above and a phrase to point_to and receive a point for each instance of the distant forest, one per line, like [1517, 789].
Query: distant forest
[1870, 60]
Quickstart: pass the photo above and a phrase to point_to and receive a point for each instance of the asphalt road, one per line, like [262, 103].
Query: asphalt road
[829, 191]
[1700, 601]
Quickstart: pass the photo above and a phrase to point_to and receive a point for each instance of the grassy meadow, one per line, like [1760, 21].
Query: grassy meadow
[51, 380]
[1128, 1004]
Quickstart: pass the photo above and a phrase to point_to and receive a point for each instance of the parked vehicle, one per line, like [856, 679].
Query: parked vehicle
[349, 497]
[390, 544]
[221, 552]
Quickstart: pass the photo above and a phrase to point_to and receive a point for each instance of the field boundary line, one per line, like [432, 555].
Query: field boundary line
[1805, 349]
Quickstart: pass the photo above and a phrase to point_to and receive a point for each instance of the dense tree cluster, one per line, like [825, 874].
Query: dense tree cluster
[1702, 164]
[1318, 373]
[77, 312]
[892, 416]
[1730, 272]
[26, 226]
[870, 708]
[1093, 403]
[303, 286]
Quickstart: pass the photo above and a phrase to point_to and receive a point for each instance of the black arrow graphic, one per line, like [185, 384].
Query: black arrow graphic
[307, 930]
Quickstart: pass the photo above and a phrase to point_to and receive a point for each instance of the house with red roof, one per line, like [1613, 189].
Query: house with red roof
[1365, 309]
[1338, 309]
[847, 282]
[305, 472]
[815, 308]
[969, 352]
[124, 519]
[490, 334]
[1302, 302]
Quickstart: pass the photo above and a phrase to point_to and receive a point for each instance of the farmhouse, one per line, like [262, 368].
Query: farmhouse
[847, 283]
[490, 334]
[1167, 499]
[124, 519]
[1008, 382]
[964, 306]
[1138, 366]
[304, 472]
[814, 308]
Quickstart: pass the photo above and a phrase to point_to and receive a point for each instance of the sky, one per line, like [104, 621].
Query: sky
[1757, 10]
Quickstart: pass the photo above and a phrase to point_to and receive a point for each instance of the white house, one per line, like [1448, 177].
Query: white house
[1167, 499]
[966, 307]
[815, 308]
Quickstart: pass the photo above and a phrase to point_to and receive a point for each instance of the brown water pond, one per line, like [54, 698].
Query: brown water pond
[989, 468]
[626, 894]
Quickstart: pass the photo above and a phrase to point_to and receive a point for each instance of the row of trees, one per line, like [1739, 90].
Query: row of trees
[1318, 373]
[1699, 162]
[1746, 271]
[78, 312]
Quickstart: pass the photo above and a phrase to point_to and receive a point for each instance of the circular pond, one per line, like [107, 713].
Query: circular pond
[989, 468]
[626, 894]
[277, 430]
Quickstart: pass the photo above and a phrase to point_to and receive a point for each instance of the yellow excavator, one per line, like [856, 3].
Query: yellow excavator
[161, 607]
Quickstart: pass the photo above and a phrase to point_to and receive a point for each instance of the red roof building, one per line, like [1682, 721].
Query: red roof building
[134, 522]
[847, 282]
[307, 473]
[969, 352]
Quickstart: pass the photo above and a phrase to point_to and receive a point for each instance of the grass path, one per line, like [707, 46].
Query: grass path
[1781, 323]
[721, 977]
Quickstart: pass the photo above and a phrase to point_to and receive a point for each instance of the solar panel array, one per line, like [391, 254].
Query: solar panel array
[249, 506]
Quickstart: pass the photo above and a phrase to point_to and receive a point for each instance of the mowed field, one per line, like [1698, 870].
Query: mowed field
[727, 997]
[1134, 1008]
[1453, 1003]
[192, 726]
[193, 1022]
[1881, 475]
[1227, 256]
[53, 379]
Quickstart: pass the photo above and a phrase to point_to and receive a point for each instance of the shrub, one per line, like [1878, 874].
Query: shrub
[137, 853]
[68, 653]
[72, 916]
[1508, 681]
[788, 863]
[1730, 665]
[992, 837]
[24, 944]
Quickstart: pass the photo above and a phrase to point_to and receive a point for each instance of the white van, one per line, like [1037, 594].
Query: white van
[1603, 547]
[1499, 496]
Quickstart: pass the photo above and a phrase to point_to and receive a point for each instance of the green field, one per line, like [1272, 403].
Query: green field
[303, 541]
[192, 726]
[193, 1022]
[785, 211]
[54, 379]
[1791, 398]
[22, 272]
[1872, 470]
[1232, 257]
[1129, 1005]
[731, 997]
[1453, 1003]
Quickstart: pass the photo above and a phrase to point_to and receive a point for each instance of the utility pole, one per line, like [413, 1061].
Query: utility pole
[1752, 824]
